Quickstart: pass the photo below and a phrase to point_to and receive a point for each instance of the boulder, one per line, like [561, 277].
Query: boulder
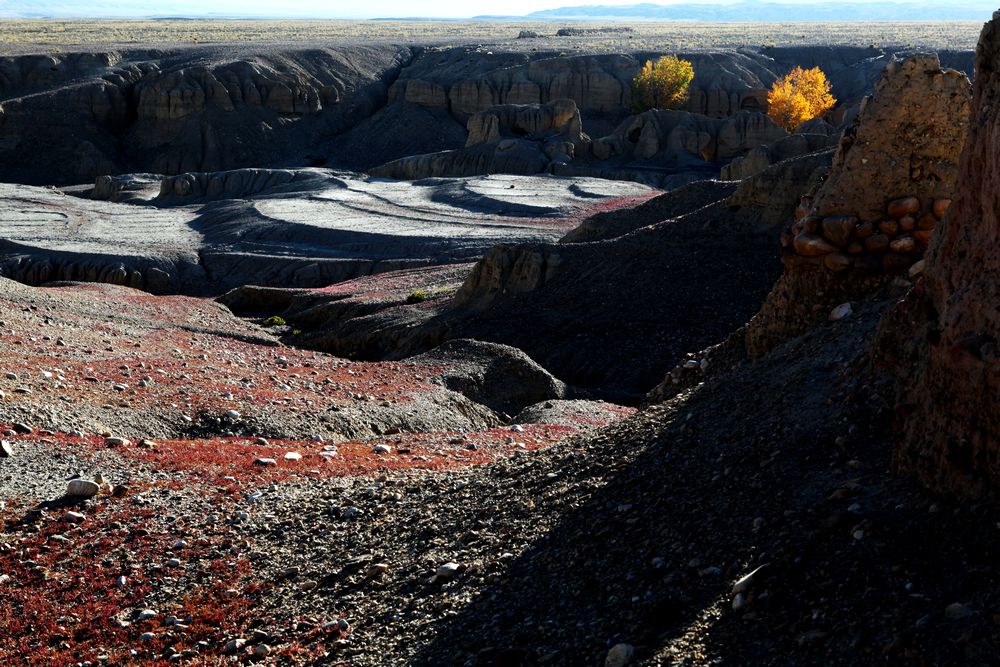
[501, 377]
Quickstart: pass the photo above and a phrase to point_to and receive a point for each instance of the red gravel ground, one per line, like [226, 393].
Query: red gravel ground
[101, 350]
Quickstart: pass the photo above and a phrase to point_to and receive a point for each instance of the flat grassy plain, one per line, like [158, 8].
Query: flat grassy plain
[52, 35]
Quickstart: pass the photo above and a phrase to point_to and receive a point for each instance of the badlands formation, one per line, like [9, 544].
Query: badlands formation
[441, 355]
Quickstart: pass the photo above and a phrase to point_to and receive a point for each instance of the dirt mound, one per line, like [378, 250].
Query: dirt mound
[891, 181]
[123, 360]
[942, 342]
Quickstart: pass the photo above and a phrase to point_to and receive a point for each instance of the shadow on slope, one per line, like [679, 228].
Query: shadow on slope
[637, 534]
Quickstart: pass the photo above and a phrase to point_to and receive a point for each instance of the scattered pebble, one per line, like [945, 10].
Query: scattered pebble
[82, 488]
[840, 312]
[620, 655]
[956, 611]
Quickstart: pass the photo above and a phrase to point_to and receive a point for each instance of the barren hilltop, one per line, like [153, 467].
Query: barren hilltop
[388, 343]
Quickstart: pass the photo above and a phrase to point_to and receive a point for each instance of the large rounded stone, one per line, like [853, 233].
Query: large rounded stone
[923, 237]
[889, 227]
[903, 244]
[839, 228]
[927, 222]
[864, 229]
[808, 245]
[904, 206]
[620, 655]
[82, 488]
[941, 207]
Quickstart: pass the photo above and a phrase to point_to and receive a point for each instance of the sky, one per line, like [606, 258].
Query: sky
[312, 8]
[434, 8]
[459, 8]
[428, 8]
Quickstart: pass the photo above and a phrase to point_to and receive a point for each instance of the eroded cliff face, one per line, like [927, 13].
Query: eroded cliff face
[657, 147]
[942, 341]
[69, 119]
[891, 182]
[724, 84]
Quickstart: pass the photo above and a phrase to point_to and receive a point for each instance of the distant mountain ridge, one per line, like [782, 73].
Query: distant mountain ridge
[774, 12]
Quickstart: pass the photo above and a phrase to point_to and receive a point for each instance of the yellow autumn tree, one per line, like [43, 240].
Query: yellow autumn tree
[802, 95]
[663, 84]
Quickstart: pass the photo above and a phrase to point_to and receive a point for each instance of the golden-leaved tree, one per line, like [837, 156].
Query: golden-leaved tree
[663, 84]
[803, 94]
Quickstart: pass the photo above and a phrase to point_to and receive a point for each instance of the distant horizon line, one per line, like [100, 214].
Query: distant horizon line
[451, 19]
[566, 13]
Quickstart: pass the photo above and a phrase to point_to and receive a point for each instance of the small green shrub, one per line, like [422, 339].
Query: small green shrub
[275, 321]
[417, 296]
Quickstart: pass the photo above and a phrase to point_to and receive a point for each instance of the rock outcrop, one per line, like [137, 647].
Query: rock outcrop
[659, 148]
[724, 83]
[786, 148]
[679, 136]
[507, 271]
[891, 181]
[559, 117]
[942, 341]
[778, 188]
[597, 84]
[238, 184]
[506, 139]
